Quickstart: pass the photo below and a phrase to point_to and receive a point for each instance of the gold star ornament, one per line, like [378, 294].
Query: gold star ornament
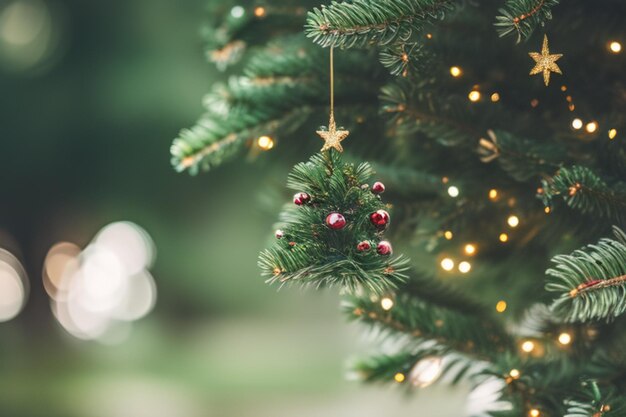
[332, 137]
[545, 62]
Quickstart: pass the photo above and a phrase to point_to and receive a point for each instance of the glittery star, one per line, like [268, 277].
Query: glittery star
[546, 62]
[332, 136]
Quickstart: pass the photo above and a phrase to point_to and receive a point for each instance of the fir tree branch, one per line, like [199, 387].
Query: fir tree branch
[366, 22]
[523, 16]
[591, 283]
[584, 191]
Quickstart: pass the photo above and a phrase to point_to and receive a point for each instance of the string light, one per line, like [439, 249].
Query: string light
[453, 191]
[577, 123]
[495, 97]
[501, 306]
[399, 377]
[465, 267]
[514, 373]
[591, 127]
[448, 235]
[259, 11]
[429, 36]
[615, 47]
[386, 303]
[470, 249]
[455, 71]
[565, 338]
[612, 133]
[513, 221]
[528, 346]
[547, 210]
[534, 103]
[534, 413]
[504, 237]
[474, 95]
[493, 194]
[265, 142]
[447, 264]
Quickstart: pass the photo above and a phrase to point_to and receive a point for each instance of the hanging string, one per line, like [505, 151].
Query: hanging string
[332, 84]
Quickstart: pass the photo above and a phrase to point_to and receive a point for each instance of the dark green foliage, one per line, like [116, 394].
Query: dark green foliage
[601, 271]
[365, 22]
[522, 17]
[311, 253]
[586, 192]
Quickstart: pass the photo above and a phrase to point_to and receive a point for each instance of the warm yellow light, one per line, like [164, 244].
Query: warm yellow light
[577, 123]
[429, 36]
[474, 95]
[455, 72]
[612, 133]
[493, 194]
[615, 47]
[503, 237]
[447, 264]
[399, 377]
[448, 234]
[591, 127]
[495, 97]
[565, 338]
[386, 303]
[470, 249]
[528, 346]
[513, 221]
[501, 306]
[514, 373]
[534, 413]
[547, 210]
[465, 267]
[259, 11]
[453, 191]
[265, 142]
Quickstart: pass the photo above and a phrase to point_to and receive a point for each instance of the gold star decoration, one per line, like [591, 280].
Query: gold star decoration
[332, 137]
[545, 61]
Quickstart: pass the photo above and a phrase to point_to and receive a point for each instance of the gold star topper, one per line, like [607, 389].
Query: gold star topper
[545, 62]
[332, 137]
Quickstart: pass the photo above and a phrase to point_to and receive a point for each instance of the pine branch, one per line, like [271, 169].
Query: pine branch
[522, 17]
[594, 400]
[365, 22]
[473, 334]
[591, 282]
[521, 158]
[584, 191]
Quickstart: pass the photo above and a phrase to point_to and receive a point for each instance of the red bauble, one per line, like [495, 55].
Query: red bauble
[279, 234]
[378, 187]
[363, 246]
[301, 198]
[379, 218]
[384, 248]
[335, 221]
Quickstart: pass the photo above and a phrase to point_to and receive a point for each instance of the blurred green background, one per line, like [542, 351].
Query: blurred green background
[92, 94]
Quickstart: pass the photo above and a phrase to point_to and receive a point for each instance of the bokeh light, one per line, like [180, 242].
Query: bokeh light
[13, 286]
[104, 287]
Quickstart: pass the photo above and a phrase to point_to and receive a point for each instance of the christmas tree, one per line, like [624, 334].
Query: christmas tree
[495, 129]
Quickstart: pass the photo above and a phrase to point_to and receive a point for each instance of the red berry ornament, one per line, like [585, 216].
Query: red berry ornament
[384, 248]
[279, 234]
[378, 187]
[379, 218]
[301, 198]
[335, 221]
[363, 246]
